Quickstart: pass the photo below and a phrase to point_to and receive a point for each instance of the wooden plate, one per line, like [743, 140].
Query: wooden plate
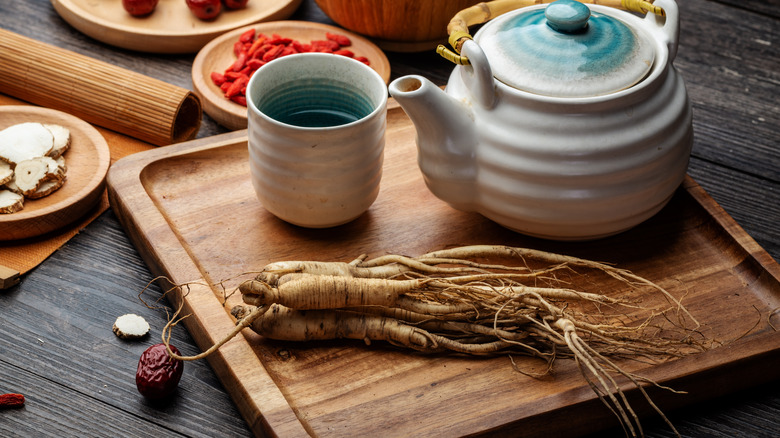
[87, 159]
[218, 56]
[171, 28]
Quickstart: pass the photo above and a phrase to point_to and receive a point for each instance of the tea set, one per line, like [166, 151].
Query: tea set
[563, 121]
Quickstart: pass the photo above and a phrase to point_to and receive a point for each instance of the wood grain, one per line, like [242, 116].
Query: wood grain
[87, 160]
[733, 90]
[171, 28]
[404, 26]
[217, 56]
[691, 247]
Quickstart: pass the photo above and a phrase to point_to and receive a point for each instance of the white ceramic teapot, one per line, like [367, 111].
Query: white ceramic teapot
[568, 122]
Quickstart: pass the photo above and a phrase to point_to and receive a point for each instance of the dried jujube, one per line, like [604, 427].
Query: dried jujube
[158, 373]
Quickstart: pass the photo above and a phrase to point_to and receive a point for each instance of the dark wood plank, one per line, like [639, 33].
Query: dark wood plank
[766, 7]
[57, 328]
[732, 85]
[752, 201]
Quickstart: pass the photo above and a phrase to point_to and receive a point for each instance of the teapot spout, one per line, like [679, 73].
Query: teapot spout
[446, 139]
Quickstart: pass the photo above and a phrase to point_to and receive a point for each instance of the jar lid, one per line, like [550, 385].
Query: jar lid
[565, 50]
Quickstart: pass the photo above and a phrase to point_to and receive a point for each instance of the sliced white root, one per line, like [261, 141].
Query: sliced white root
[47, 188]
[25, 141]
[131, 326]
[30, 174]
[11, 185]
[10, 202]
[61, 164]
[55, 169]
[6, 173]
[61, 136]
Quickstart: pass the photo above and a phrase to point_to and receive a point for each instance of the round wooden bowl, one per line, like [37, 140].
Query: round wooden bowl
[171, 28]
[396, 25]
[218, 56]
[87, 160]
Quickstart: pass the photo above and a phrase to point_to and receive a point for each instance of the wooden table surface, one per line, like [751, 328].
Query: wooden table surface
[56, 344]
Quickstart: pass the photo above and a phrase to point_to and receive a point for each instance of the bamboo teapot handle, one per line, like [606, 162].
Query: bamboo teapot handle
[458, 27]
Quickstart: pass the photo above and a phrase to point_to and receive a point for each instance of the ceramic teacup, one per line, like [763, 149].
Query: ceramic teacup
[316, 137]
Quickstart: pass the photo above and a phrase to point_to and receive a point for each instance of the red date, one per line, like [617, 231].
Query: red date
[205, 9]
[158, 373]
[139, 8]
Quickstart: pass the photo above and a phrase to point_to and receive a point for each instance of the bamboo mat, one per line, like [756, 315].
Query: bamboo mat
[19, 257]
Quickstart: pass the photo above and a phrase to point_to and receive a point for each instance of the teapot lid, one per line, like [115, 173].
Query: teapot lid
[565, 50]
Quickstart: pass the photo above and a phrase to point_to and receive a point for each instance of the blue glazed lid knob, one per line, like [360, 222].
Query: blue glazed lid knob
[567, 16]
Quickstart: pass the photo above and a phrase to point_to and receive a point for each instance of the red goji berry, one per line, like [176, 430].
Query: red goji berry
[342, 40]
[231, 75]
[256, 45]
[300, 47]
[363, 59]
[225, 85]
[259, 53]
[272, 54]
[236, 86]
[11, 401]
[344, 52]
[254, 64]
[241, 100]
[329, 45]
[240, 62]
[238, 47]
[248, 36]
[217, 78]
[278, 39]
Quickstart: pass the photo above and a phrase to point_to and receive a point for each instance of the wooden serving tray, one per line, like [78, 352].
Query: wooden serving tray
[192, 213]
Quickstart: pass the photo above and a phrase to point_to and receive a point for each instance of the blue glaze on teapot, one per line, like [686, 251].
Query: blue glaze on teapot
[567, 16]
[565, 50]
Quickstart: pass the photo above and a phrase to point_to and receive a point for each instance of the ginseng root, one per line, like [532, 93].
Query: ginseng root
[460, 300]
[285, 324]
[282, 323]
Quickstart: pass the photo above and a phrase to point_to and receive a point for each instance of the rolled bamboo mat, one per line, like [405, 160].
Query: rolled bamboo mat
[97, 92]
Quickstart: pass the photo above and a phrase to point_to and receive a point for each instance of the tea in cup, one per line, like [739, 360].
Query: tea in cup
[316, 126]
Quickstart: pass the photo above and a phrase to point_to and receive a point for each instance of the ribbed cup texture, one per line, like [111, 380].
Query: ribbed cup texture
[316, 138]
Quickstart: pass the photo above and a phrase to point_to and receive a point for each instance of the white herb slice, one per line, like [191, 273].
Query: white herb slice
[131, 326]
[11, 185]
[47, 188]
[30, 174]
[24, 141]
[61, 141]
[10, 202]
[6, 173]
[61, 164]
